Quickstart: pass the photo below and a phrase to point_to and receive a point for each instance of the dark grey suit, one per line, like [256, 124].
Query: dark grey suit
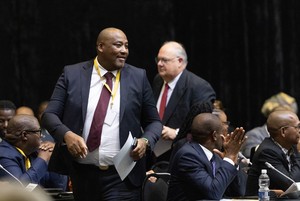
[190, 89]
[270, 152]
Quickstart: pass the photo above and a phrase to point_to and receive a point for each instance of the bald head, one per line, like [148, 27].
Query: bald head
[204, 125]
[283, 126]
[24, 110]
[278, 119]
[19, 123]
[107, 33]
[171, 60]
[175, 48]
[112, 49]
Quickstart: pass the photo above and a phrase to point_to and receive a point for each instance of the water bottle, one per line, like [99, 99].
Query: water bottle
[263, 182]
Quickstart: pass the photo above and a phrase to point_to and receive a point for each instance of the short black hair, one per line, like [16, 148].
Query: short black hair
[7, 104]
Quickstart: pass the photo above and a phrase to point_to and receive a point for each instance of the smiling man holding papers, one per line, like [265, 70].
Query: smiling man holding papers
[93, 107]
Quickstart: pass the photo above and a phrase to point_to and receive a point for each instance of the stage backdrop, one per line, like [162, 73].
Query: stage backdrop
[247, 50]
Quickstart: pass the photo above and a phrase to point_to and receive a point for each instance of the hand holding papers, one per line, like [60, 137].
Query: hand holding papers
[123, 162]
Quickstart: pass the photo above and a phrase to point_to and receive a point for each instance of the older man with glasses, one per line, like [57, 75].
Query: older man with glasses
[176, 90]
[25, 157]
[280, 150]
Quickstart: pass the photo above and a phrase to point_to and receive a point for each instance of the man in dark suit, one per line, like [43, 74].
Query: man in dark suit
[184, 90]
[70, 117]
[25, 157]
[199, 170]
[279, 150]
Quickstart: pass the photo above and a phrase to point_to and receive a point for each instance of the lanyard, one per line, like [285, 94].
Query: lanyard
[116, 85]
[27, 161]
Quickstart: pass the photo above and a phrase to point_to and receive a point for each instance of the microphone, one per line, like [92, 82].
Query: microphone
[11, 175]
[244, 159]
[30, 187]
[272, 167]
[293, 192]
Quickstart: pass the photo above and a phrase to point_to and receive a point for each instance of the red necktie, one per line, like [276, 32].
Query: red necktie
[163, 102]
[94, 137]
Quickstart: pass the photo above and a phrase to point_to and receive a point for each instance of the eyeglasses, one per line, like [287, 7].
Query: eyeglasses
[226, 123]
[296, 127]
[38, 132]
[163, 60]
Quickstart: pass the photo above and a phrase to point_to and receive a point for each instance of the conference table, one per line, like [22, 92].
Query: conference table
[59, 195]
[254, 198]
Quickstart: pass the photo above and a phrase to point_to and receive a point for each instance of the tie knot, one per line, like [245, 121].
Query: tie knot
[166, 86]
[212, 159]
[108, 76]
[290, 152]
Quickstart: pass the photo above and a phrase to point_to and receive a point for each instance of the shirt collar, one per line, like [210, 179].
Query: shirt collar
[208, 153]
[173, 82]
[103, 71]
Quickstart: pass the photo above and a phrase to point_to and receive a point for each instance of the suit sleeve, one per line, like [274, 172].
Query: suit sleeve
[238, 186]
[196, 176]
[52, 116]
[150, 120]
[34, 174]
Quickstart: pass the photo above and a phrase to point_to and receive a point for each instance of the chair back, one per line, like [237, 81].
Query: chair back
[158, 190]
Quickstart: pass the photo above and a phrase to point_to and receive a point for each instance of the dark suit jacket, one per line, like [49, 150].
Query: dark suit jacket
[268, 151]
[13, 161]
[192, 176]
[68, 106]
[254, 137]
[190, 89]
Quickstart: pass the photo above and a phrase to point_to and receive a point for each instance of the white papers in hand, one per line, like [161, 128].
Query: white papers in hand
[162, 146]
[293, 188]
[123, 161]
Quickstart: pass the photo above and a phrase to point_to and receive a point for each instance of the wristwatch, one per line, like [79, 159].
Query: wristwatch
[147, 142]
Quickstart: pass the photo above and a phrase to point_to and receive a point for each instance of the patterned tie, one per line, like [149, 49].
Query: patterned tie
[163, 101]
[213, 165]
[290, 158]
[94, 137]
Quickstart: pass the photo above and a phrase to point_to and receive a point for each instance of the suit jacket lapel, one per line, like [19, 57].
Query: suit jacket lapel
[124, 83]
[157, 85]
[178, 92]
[85, 77]
[201, 153]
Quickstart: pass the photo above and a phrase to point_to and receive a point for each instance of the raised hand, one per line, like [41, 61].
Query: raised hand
[232, 144]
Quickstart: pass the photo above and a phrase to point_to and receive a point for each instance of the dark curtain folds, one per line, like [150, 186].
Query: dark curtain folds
[247, 50]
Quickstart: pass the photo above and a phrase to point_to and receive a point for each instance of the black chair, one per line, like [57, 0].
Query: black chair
[158, 190]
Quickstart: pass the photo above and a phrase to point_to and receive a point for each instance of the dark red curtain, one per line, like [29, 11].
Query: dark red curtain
[247, 50]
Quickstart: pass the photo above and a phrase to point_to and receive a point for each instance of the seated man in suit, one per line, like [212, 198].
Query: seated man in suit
[24, 156]
[279, 150]
[255, 136]
[199, 170]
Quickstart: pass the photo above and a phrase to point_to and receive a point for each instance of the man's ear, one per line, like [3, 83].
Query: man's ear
[282, 132]
[214, 135]
[180, 59]
[99, 47]
[24, 135]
